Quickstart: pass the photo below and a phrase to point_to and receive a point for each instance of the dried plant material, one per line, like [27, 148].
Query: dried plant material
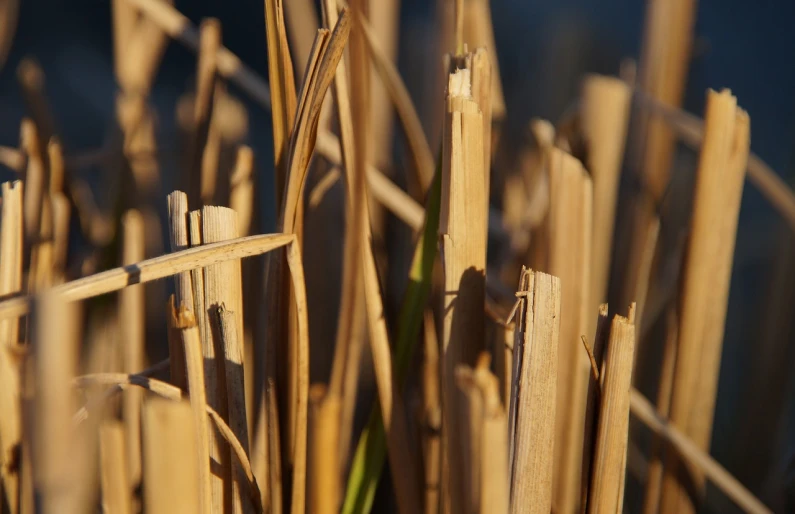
[154, 269]
[412, 127]
[531, 421]
[570, 236]
[132, 326]
[479, 32]
[324, 476]
[596, 353]
[663, 67]
[31, 82]
[171, 478]
[115, 482]
[302, 23]
[462, 228]
[687, 449]
[226, 323]
[604, 117]
[432, 415]
[241, 195]
[55, 341]
[11, 245]
[653, 489]
[485, 429]
[349, 343]
[705, 293]
[612, 433]
[35, 180]
[185, 324]
[282, 95]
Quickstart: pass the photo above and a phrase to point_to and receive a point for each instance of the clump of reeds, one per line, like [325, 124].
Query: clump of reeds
[498, 385]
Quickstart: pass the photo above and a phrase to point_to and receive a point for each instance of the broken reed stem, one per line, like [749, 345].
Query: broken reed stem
[707, 273]
[610, 448]
[596, 353]
[462, 229]
[235, 392]
[531, 421]
[604, 117]
[221, 286]
[323, 463]
[172, 470]
[486, 450]
[11, 245]
[141, 57]
[121, 382]
[132, 330]
[184, 323]
[179, 239]
[432, 415]
[115, 482]
[570, 238]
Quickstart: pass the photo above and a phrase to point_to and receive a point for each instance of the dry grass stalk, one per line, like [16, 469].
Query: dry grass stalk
[350, 336]
[462, 227]
[502, 335]
[115, 482]
[139, 57]
[204, 143]
[604, 117]
[401, 460]
[35, 180]
[11, 245]
[610, 448]
[707, 270]
[171, 478]
[531, 422]
[424, 162]
[282, 94]
[124, 19]
[302, 23]
[664, 63]
[432, 415]
[55, 341]
[653, 488]
[642, 409]
[486, 451]
[235, 392]
[184, 323]
[132, 326]
[241, 195]
[179, 239]
[323, 463]
[31, 82]
[222, 286]
[154, 269]
[384, 18]
[596, 352]
[570, 236]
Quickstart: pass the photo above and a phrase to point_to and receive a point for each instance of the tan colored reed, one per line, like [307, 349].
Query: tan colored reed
[531, 421]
